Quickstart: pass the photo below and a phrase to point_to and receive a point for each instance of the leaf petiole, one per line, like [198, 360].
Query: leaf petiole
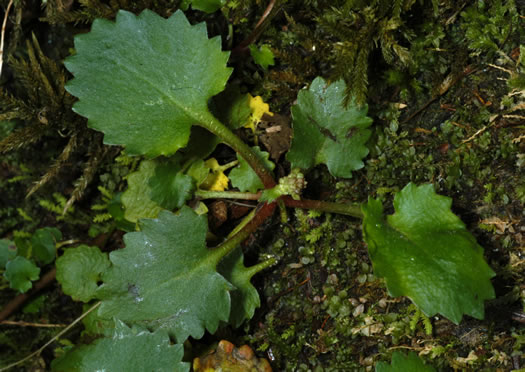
[353, 210]
[206, 194]
[261, 214]
[232, 140]
[252, 270]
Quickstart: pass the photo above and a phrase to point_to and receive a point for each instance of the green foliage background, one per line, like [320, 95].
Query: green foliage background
[322, 305]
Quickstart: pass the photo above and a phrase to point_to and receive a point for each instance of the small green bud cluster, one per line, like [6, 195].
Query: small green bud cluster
[293, 184]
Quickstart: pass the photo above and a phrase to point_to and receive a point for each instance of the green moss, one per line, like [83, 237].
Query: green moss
[488, 25]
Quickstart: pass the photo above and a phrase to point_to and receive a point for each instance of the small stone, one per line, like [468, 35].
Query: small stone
[358, 310]
[229, 358]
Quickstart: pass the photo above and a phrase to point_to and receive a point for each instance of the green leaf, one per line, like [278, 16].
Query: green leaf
[208, 6]
[23, 246]
[7, 252]
[169, 187]
[145, 80]
[232, 107]
[129, 349]
[325, 131]
[405, 363]
[263, 56]
[116, 209]
[20, 272]
[165, 278]
[35, 305]
[136, 199]
[425, 253]
[202, 143]
[244, 178]
[79, 270]
[94, 325]
[244, 299]
[156, 185]
[43, 242]
[198, 171]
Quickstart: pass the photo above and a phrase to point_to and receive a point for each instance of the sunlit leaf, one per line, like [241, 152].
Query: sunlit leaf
[424, 252]
[263, 56]
[198, 171]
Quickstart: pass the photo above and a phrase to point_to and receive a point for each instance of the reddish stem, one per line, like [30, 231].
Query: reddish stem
[46, 280]
[263, 212]
[239, 49]
[19, 300]
[265, 13]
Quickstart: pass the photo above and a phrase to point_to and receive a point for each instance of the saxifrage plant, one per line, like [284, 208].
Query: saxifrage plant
[146, 82]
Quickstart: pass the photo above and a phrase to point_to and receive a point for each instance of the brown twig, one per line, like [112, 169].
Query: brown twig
[16, 302]
[259, 27]
[265, 13]
[288, 290]
[86, 313]
[442, 89]
[2, 37]
[48, 278]
[26, 324]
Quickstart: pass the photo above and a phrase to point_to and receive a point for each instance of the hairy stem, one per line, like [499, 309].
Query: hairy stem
[232, 140]
[252, 270]
[205, 194]
[353, 210]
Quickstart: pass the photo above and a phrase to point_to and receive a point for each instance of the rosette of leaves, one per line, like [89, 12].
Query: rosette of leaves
[166, 277]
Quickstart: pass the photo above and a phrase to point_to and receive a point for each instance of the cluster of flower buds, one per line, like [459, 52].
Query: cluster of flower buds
[293, 184]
